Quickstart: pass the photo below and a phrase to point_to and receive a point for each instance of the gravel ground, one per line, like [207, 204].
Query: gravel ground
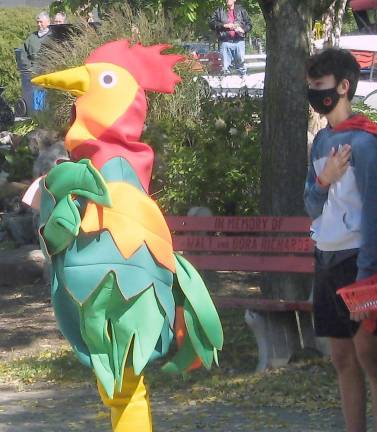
[67, 409]
[28, 327]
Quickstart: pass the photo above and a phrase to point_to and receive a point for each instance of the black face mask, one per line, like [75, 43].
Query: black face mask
[323, 101]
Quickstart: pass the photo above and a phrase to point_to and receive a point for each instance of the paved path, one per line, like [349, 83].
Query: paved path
[62, 409]
[65, 409]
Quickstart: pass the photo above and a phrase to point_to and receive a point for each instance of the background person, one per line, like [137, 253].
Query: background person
[35, 40]
[27, 56]
[60, 18]
[231, 25]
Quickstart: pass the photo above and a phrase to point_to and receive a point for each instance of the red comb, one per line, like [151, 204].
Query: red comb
[151, 69]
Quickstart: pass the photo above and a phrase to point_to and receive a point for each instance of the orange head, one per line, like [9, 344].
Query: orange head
[110, 87]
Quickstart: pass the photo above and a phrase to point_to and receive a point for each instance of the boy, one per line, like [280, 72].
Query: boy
[341, 198]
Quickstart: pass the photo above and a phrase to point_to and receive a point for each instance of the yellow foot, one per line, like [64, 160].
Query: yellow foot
[130, 408]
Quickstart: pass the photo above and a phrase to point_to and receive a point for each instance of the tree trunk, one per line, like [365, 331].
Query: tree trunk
[285, 121]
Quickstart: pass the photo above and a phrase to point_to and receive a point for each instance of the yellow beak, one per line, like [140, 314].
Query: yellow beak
[75, 80]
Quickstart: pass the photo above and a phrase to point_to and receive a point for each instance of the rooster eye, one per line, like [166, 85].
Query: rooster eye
[107, 79]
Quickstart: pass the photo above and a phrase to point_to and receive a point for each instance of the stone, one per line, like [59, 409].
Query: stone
[9, 140]
[46, 146]
[11, 188]
[47, 159]
[199, 211]
[23, 265]
[3, 177]
[20, 227]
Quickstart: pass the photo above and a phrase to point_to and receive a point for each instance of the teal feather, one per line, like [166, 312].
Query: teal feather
[91, 257]
[119, 169]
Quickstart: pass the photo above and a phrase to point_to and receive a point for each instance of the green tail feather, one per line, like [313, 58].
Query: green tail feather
[182, 360]
[199, 340]
[204, 332]
[197, 294]
[117, 331]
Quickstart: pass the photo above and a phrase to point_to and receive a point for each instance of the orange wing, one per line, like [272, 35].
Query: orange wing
[133, 219]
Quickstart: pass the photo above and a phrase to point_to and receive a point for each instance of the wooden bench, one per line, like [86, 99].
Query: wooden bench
[256, 244]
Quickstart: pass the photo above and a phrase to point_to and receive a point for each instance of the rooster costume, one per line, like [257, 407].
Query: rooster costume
[110, 248]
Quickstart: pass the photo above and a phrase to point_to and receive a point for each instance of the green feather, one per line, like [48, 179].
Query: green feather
[79, 178]
[117, 330]
[48, 203]
[199, 340]
[182, 360]
[94, 331]
[62, 226]
[197, 294]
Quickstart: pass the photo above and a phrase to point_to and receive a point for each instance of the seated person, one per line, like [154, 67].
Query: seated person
[34, 41]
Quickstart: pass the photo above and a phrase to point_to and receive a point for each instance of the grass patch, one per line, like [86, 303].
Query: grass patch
[309, 385]
[48, 367]
[239, 353]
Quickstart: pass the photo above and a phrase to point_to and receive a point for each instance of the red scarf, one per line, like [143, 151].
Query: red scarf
[357, 122]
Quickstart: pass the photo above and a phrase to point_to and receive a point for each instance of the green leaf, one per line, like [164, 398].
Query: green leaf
[197, 294]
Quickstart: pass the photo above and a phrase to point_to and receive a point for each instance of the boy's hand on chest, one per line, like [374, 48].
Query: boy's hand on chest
[336, 165]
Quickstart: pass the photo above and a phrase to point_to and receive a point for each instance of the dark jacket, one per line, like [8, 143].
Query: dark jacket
[220, 17]
[31, 48]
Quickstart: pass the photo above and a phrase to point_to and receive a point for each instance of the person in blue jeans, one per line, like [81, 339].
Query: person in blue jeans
[231, 25]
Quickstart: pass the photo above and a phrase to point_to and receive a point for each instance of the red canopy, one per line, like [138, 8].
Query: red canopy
[359, 5]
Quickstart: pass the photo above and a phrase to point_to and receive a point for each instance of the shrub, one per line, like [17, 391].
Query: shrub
[214, 162]
[15, 25]
[361, 108]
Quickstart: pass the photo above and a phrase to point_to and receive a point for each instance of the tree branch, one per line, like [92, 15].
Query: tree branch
[319, 7]
[314, 8]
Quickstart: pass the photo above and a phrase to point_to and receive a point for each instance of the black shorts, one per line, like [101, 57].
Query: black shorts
[331, 316]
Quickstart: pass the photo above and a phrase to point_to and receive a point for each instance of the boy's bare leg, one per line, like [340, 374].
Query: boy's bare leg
[351, 383]
[366, 351]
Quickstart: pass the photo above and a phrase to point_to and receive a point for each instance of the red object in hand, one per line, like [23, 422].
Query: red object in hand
[361, 296]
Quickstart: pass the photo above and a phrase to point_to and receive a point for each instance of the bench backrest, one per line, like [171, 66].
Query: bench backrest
[260, 244]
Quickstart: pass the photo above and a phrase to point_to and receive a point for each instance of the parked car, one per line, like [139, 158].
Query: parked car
[208, 58]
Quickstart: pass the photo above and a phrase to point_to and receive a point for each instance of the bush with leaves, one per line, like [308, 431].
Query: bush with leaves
[214, 162]
[361, 108]
[17, 163]
[15, 24]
